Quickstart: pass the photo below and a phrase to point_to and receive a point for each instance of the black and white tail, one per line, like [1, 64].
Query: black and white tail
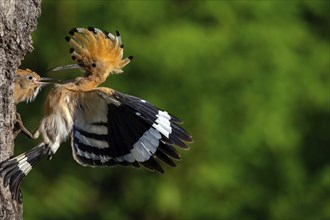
[15, 169]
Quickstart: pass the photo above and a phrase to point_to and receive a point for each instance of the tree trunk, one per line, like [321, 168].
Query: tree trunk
[18, 18]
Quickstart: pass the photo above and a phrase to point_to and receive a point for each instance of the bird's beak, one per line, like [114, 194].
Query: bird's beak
[65, 67]
[44, 81]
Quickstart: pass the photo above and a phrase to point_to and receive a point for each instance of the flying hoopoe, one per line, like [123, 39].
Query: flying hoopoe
[106, 127]
[26, 88]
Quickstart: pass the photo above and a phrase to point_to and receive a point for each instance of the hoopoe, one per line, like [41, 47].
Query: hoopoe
[26, 88]
[106, 127]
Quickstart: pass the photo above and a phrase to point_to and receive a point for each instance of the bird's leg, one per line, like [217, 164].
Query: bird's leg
[52, 150]
[36, 134]
[22, 128]
[17, 130]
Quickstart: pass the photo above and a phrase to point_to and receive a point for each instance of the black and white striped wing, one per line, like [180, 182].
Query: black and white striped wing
[114, 128]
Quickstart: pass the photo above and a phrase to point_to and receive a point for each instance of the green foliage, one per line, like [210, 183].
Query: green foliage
[249, 78]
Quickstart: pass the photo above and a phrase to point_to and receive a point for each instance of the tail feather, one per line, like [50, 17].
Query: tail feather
[14, 170]
[16, 181]
[9, 172]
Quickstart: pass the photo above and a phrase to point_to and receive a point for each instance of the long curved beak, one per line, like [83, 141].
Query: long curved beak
[45, 80]
[65, 67]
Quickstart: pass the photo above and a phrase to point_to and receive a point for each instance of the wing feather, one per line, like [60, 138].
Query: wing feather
[126, 130]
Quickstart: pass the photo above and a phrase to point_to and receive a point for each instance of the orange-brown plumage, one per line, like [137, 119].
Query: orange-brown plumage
[97, 54]
[106, 127]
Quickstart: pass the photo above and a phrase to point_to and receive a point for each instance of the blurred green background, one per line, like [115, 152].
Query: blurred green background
[249, 78]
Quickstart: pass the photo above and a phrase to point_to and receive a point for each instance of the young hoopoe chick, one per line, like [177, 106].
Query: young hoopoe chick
[106, 127]
[26, 89]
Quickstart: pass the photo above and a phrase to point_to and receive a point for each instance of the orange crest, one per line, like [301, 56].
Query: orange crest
[96, 51]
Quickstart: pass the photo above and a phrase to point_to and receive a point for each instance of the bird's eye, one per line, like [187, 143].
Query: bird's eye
[30, 77]
[93, 65]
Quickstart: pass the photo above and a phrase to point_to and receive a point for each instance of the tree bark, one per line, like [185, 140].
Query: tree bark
[18, 18]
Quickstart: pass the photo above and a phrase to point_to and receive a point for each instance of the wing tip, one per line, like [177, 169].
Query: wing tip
[152, 165]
